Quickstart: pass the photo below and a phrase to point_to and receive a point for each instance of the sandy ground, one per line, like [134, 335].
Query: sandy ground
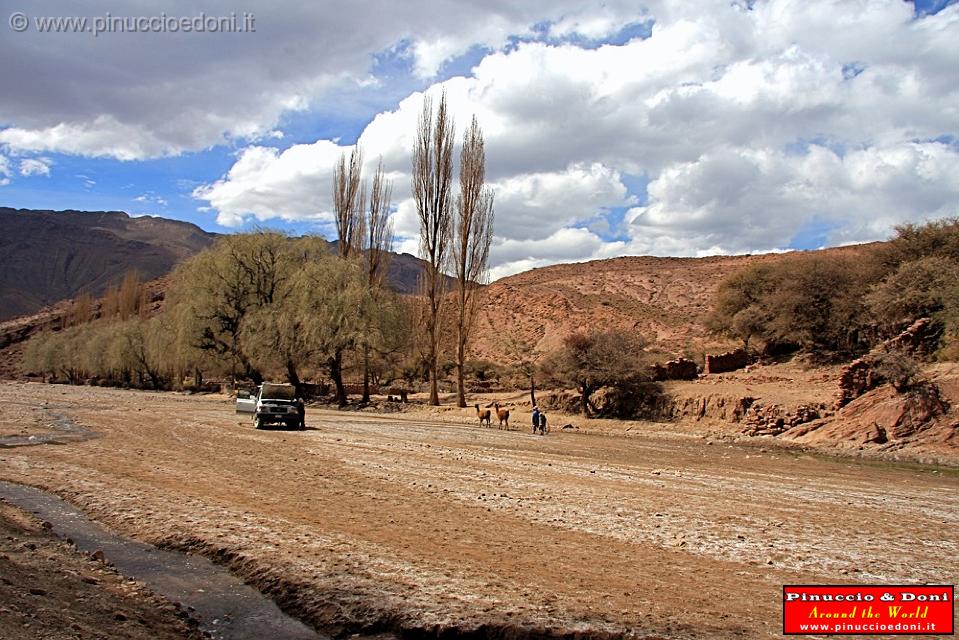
[398, 523]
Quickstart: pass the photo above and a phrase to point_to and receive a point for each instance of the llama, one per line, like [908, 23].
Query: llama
[503, 415]
[484, 415]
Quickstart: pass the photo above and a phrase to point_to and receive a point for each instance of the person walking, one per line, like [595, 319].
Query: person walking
[301, 411]
[535, 419]
[542, 423]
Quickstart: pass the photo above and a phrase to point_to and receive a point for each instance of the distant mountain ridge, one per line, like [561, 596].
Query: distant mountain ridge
[48, 256]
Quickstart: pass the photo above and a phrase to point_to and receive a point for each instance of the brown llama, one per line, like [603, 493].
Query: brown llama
[503, 415]
[484, 415]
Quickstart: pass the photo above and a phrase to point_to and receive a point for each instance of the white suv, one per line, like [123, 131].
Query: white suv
[279, 404]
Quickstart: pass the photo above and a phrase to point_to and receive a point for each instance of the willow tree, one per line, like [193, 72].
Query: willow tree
[432, 191]
[326, 307]
[472, 237]
[271, 337]
[220, 287]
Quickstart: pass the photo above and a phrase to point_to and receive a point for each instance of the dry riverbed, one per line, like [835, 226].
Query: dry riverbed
[392, 522]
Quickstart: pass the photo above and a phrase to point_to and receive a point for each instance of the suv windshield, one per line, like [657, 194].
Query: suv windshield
[278, 392]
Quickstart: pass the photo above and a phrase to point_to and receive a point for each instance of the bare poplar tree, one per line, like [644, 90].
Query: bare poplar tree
[432, 190]
[348, 202]
[378, 244]
[472, 238]
[379, 227]
[348, 205]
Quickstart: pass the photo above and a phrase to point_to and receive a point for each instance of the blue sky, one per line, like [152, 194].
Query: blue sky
[612, 127]
[931, 7]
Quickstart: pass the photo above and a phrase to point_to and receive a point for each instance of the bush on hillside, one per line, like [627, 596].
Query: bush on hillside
[811, 301]
[836, 306]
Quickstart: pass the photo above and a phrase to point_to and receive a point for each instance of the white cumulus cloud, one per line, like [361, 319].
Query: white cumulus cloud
[752, 125]
[5, 171]
[264, 184]
[734, 126]
[35, 167]
[149, 95]
[745, 200]
[571, 244]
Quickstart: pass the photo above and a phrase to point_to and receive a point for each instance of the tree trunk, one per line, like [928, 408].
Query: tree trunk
[461, 330]
[336, 373]
[156, 380]
[460, 366]
[532, 389]
[366, 374]
[294, 378]
[434, 388]
[460, 387]
[251, 372]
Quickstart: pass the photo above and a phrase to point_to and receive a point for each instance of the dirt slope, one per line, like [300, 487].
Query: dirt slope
[665, 299]
[888, 422]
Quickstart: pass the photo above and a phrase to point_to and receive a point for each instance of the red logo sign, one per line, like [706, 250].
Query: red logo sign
[868, 609]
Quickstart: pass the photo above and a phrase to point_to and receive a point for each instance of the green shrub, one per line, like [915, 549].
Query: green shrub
[812, 301]
[591, 361]
[927, 287]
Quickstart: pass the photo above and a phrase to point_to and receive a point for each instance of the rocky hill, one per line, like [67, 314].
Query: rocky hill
[48, 256]
[667, 300]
